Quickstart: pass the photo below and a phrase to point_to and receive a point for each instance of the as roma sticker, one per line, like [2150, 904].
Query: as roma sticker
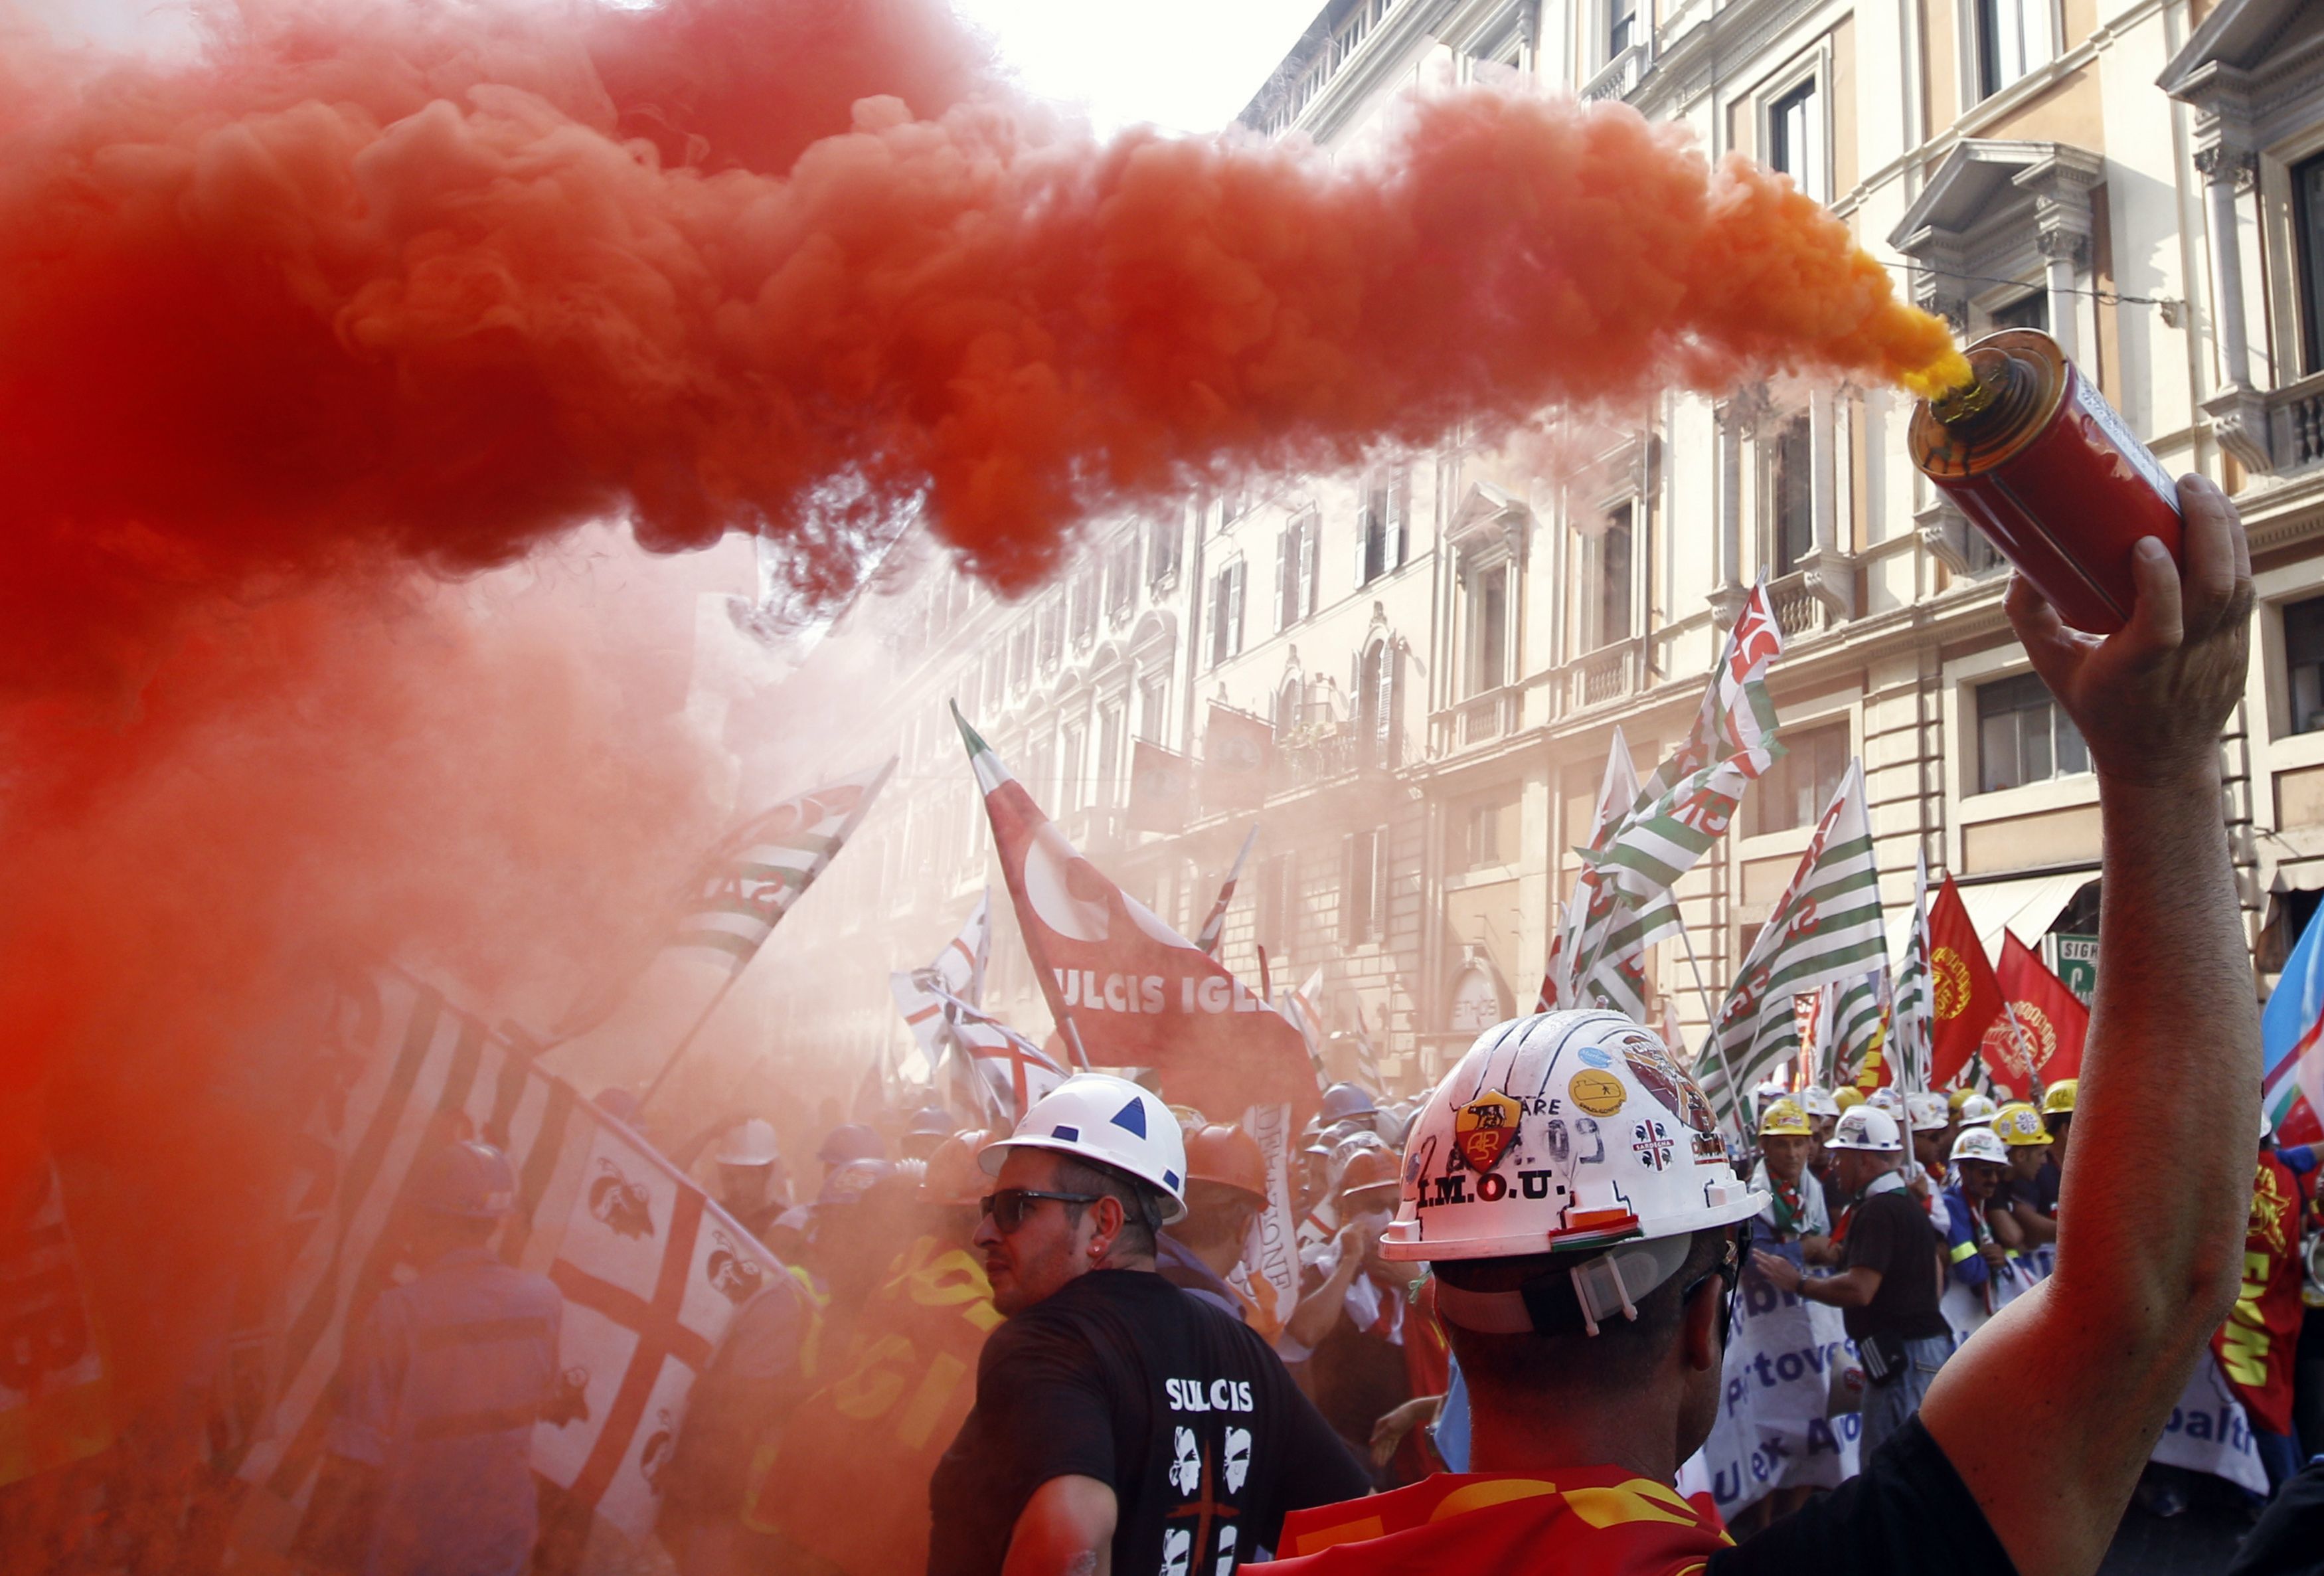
[1483, 1127]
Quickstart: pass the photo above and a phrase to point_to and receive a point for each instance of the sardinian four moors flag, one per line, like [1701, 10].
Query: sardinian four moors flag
[1825, 927]
[1129, 991]
[1006, 1070]
[651, 1270]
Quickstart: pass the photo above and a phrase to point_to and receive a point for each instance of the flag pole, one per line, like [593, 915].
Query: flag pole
[1735, 1095]
[686, 1042]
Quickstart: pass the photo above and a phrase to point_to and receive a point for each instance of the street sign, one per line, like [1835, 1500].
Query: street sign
[2078, 963]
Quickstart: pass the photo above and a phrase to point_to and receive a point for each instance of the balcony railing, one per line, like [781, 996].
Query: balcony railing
[1798, 610]
[1311, 759]
[2295, 422]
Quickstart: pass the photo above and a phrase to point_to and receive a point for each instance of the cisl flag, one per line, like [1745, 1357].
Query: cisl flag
[1964, 998]
[1130, 990]
[2040, 1037]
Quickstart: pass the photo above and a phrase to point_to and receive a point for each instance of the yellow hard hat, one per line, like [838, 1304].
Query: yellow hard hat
[1846, 1098]
[1784, 1119]
[2020, 1126]
[2057, 1099]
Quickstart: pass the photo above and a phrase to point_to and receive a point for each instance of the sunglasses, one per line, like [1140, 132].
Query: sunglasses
[1730, 1271]
[1010, 1206]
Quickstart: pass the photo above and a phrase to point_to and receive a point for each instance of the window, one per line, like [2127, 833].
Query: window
[1606, 576]
[1487, 667]
[2308, 220]
[1233, 505]
[1153, 699]
[1489, 833]
[1287, 708]
[1072, 791]
[1083, 603]
[1295, 570]
[1363, 893]
[1109, 755]
[2303, 657]
[1278, 899]
[1162, 548]
[2013, 37]
[2022, 736]
[2030, 310]
[1792, 496]
[1380, 538]
[1226, 612]
[1020, 656]
[1622, 24]
[1801, 783]
[1795, 138]
[1052, 633]
[1121, 577]
[1378, 736]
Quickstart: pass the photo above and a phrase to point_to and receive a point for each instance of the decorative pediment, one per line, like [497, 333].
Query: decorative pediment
[1490, 520]
[1985, 188]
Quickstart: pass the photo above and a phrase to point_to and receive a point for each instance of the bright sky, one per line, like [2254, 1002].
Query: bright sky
[1184, 65]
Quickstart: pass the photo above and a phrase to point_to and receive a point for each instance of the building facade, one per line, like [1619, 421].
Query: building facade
[1443, 647]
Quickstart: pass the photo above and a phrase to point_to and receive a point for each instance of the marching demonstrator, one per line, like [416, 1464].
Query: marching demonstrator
[1585, 1283]
[1119, 1423]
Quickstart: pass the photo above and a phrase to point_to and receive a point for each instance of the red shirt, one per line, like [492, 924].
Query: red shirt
[1579, 1521]
[2256, 1344]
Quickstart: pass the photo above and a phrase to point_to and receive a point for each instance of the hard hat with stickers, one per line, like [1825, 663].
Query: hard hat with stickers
[2020, 1127]
[1561, 1129]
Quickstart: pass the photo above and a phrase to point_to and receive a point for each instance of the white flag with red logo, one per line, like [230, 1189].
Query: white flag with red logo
[651, 1270]
[1128, 988]
[956, 975]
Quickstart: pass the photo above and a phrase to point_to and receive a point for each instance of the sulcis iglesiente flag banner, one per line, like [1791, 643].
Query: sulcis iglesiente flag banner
[1127, 989]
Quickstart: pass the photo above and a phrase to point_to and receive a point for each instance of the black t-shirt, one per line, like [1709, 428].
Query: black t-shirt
[1123, 1378]
[1907, 1514]
[1887, 1232]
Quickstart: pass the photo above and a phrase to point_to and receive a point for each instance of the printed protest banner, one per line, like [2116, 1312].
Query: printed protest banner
[1776, 1427]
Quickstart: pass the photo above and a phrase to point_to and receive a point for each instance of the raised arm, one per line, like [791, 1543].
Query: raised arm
[2051, 1410]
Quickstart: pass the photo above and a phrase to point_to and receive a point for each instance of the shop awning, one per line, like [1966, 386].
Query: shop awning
[2026, 907]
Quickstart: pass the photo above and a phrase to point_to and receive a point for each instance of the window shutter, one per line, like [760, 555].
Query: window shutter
[1310, 541]
[1234, 609]
[1219, 619]
[1287, 578]
[1385, 722]
[1399, 513]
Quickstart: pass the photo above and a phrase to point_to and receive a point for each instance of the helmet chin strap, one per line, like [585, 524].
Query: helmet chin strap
[1603, 1284]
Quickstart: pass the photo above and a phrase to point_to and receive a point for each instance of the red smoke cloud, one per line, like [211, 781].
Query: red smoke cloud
[432, 282]
[366, 293]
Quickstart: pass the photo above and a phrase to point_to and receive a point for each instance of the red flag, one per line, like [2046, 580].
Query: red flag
[1964, 997]
[1159, 780]
[1238, 757]
[2041, 1035]
[1130, 990]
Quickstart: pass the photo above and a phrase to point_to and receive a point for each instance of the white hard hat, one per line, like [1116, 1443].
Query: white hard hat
[1980, 1143]
[1562, 1129]
[1866, 1127]
[1886, 1099]
[1097, 1117]
[749, 1143]
[1817, 1100]
[1979, 1108]
[1927, 1112]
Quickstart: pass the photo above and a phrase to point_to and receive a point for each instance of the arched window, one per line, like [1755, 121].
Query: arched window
[1378, 738]
[1288, 708]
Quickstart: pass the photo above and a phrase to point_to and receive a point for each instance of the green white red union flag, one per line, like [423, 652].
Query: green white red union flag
[1826, 926]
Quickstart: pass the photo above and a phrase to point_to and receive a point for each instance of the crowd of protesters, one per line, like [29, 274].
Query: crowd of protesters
[1035, 1348]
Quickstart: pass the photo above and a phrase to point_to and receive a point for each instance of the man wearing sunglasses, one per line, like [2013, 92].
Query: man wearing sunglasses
[1565, 1184]
[1120, 1423]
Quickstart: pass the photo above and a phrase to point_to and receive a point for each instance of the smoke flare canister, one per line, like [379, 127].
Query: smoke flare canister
[2037, 460]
